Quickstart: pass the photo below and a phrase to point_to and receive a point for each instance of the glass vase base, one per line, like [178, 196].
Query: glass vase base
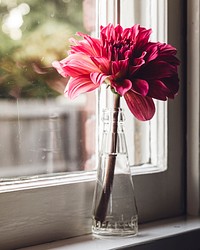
[115, 229]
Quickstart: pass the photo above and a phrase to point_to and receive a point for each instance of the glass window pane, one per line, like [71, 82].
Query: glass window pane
[41, 131]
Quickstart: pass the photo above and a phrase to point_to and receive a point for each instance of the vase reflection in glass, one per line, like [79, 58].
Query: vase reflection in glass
[114, 205]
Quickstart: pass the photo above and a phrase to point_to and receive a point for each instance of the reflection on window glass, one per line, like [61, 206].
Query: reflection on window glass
[41, 131]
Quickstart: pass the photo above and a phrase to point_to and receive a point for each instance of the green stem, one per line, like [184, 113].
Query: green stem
[101, 210]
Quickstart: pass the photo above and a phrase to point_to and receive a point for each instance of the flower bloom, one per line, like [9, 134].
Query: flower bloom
[126, 60]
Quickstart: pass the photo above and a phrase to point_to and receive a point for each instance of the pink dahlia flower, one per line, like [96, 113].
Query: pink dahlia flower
[128, 62]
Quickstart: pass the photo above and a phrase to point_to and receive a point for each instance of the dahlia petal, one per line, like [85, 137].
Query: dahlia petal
[141, 107]
[172, 84]
[107, 31]
[140, 86]
[102, 63]
[78, 64]
[157, 70]
[98, 78]
[118, 32]
[90, 45]
[133, 69]
[79, 85]
[158, 90]
[59, 67]
[169, 59]
[143, 37]
[131, 33]
[138, 62]
[122, 87]
[76, 69]
[166, 49]
[86, 49]
[120, 68]
[95, 45]
[151, 52]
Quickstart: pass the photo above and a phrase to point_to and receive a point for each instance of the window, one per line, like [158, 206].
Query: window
[43, 134]
[46, 209]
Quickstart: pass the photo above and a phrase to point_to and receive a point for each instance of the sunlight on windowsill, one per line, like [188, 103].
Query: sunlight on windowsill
[170, 233]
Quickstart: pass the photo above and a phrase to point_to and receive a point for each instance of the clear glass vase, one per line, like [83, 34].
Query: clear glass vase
[114, 205]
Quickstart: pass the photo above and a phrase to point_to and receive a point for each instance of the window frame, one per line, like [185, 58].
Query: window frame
[37, 211]
[193, 108]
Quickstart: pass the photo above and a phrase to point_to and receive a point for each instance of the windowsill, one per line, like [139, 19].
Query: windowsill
[177, 233]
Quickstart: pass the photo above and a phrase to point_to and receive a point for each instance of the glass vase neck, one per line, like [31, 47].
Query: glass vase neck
[115, 115]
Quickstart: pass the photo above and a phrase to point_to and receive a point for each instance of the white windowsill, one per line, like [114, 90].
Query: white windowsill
[177, 233]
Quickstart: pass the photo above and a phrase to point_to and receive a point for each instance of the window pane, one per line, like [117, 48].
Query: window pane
[41, 131]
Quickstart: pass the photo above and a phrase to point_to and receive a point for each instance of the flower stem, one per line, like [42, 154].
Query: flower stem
[100, 213]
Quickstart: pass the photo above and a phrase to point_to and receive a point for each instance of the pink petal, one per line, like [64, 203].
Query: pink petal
[157, 70]
[172, 84]
[120, 68]
[102, 63]
[79, 85]
[140, 86]
[78, 64]
[152, 52]
[143, 36]
[122, 87]
[94, 45]
[158, 90]
[138, 62]
[141, 107]
[98, 78]
[89, 46]
[131, 33]
[169, 59]
[107, 31]
[118, 32]
[59, 67]
[166, 49]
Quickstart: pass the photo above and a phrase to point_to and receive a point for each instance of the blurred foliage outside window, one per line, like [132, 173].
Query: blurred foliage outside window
[33, 34]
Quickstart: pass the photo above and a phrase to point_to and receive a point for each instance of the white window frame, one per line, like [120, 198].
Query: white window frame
[42, 210]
